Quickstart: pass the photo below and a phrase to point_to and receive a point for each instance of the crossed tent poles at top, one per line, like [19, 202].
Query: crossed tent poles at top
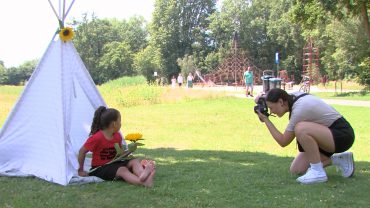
[62, 14]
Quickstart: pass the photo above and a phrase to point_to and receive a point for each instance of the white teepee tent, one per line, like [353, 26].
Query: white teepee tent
[52, 118]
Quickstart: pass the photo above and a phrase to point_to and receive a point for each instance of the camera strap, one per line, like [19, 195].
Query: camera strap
[295, 100]
[299, 96]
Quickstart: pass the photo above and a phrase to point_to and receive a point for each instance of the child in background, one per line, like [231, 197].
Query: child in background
[190, 80]
[173, 82]
[248, 78]
[180, 79]
[104, 134]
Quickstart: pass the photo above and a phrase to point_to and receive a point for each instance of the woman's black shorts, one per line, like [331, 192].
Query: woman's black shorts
[343, 136]
[108, 172]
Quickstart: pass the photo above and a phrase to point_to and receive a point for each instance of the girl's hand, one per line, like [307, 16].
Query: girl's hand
[82, 173]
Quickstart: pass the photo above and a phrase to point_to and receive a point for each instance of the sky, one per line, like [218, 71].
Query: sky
[27, 26]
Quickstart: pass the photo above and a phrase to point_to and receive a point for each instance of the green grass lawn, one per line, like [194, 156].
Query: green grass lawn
[345, 85]
[359, 95]
[209, 153]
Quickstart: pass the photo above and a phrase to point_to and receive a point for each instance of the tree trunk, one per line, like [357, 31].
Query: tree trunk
[365, 18]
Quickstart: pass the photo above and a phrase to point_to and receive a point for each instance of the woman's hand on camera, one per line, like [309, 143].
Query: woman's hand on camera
[258, 97]
[262, 117]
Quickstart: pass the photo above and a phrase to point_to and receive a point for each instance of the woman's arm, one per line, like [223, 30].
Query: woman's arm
[282, 139]
[81, 161]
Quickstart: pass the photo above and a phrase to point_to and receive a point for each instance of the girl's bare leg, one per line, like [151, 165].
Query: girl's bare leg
[149, 182]
[126, 174]
[138, 170]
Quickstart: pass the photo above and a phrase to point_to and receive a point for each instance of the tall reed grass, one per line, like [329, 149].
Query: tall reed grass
[119, 93]
[130, 91]
[133, 91]
[8, 96]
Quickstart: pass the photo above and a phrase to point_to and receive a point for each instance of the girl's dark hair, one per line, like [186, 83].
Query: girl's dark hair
[103, 117]
[275, 94]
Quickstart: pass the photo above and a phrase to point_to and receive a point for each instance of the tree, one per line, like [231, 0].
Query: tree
[224, 23]
[357, 8]
[288, 37]
[3, 77]
[211, 62]
[91, 36]
[18, 75]
[332, 25]
[250, 19]
[116, 61]
[346, 52]
[254, 35]
[107, 45]
[148, 61]
[187, 64]
[222, 26]
[132, 31]
[179, 28]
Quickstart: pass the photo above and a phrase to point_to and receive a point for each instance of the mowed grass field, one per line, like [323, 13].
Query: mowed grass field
[211, 151]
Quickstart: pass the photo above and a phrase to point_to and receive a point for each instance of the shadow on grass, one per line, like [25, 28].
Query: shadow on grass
[220, 178]
[200, 178]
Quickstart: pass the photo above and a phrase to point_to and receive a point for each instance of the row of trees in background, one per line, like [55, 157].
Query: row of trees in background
[17, 75]
[194, 34]
[108, 46]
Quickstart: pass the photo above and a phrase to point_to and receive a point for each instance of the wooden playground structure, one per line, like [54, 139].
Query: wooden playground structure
[231, 70]
[311, 61]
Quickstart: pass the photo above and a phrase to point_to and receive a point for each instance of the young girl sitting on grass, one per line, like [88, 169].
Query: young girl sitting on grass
[104, 134]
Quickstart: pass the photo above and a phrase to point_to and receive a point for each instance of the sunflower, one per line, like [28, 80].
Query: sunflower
[66, 34]
[133, 137]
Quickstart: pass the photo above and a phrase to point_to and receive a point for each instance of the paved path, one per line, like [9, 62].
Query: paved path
[328, 101]
[348, 102]
[239, 92]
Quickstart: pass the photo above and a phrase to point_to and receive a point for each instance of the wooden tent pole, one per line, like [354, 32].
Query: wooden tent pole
[60, 7]
[69, 8]
[64, 9]
[55, 12]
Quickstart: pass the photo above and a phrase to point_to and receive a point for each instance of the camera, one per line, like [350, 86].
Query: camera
[261, 106]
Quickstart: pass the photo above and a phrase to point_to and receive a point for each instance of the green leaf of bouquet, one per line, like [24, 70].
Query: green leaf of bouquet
[132, 147]
[119, 150]
[139, 144]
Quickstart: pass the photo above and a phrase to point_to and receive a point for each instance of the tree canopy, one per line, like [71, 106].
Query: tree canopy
[184, 36]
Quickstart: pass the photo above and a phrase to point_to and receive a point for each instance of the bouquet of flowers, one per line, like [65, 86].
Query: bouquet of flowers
[133, 138]
[123, 153]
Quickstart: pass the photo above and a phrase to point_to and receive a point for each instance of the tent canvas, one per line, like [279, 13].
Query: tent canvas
[51, 119]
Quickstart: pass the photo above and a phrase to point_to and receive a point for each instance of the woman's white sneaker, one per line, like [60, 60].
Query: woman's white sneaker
[313, 176]
[345, 163]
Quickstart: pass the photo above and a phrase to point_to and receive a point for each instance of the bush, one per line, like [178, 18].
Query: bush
[130, 91]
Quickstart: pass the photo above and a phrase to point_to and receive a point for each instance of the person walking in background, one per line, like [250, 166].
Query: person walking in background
[180, 80]
[173, 82]
[248, 76]
[190, 80]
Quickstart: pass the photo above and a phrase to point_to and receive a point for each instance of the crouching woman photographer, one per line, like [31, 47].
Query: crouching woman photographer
[320, 132]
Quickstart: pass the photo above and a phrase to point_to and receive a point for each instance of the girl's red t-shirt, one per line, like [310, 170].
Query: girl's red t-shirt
[102, 149]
